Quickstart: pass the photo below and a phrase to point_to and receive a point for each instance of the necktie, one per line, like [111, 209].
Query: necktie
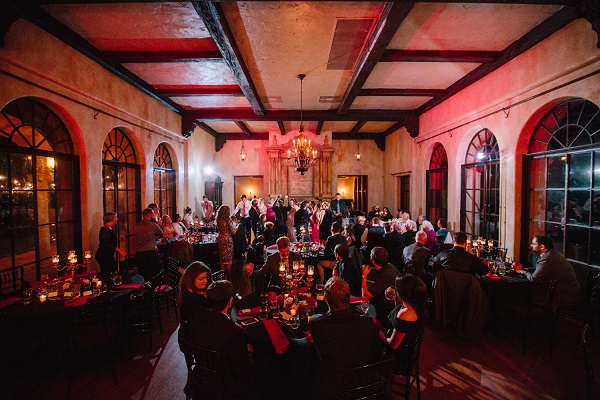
[338, 206]
[243, 209]
[206, 205]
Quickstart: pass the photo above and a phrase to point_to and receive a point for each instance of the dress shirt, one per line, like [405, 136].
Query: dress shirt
[243, 207]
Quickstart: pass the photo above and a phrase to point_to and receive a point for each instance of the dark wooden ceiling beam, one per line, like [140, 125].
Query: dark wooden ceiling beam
[47, 22]
[402, 92]
[281, 127]
[319, 127]
[214, 18]
[356, 128]
[457, 56]
[208, 129]
[392, 16]
[225, 90]
[121, 57]
[242, 136]
[557, 21]
[240, 114]
[393, 128]
[244, 128]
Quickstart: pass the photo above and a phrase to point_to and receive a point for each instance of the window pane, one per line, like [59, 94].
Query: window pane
[65, 206]
[556, 233]
[595, 209]
[538, 173]
[580, 170]
[577, 243]
[45, 173]
[22, 171]
[46, 207]
[109, 201]
[597, 169]
[5, 231]
[556, 172]
[556, 209]
[65, 239]
[47, 240]
[578, 209]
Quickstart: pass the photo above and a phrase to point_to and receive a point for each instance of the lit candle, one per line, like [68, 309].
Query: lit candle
[43, 298]
[282, 267]
[87, 255]
[490, 243]
[99, 283]
[311, 270]
[55, 259]
[295, 266]
[73, 260]
[292, 311]
[71, 254]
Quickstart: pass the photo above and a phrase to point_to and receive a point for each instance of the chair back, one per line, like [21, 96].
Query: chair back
[11, 280]
[542, 293]
[371, 381]
[172, 273]
[204, 370]
[587, 362]
[218, 275]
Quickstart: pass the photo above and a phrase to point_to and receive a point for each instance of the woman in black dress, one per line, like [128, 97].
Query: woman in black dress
[105, 255]
[326, 221]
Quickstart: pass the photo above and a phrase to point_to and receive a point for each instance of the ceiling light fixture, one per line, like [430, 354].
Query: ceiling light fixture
[304, 154]
[243, 152]
[357, 155]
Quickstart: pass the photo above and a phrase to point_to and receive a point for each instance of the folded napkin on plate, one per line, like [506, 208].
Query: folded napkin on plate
[278, 339]
[248, 311]
[492, 277]
[355, 300]
[79, 301]
[129, 286]
[8, 302]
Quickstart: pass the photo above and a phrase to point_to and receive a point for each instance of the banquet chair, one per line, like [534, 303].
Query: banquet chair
[156, 283]
[171, 289]
[219, 275]
[371, 381]
[11, 281]
[409, 370]
[87, 331]
[205, 379]
[140, 315]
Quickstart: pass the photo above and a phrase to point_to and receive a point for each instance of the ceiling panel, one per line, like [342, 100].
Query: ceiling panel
[389, 103]
[224, 126]
[376, 126]
[212, 102]
[338, 126]
[184, 73]
[262, 126]
[417, 75]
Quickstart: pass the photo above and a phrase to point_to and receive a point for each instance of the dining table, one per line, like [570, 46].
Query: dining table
[503, 289]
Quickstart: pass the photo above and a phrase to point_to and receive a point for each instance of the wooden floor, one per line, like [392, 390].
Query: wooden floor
[451, 368]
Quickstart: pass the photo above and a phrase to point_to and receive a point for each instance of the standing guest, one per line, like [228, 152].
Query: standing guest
[212, 329]
[188, 219]
[269, 234]
[459, 259]
[353, 245]
[314, 223]
[329, 259]
[283, 256]
[207, 211]
[346, 269]
[359, 228]
[254, 216]
[377, 276]
[167, 227]
[244, 206]
[427, 227]
[155, 216]
[262, 207]
[178, 226]
[146, 233]
[341, 326]
[416, 256]
[239, 239]
[225, 238]
[105, 255]
[552, 265]
[291, 230]
[271, 216]
[260, 226]
[326, 221]
[407, 318]
[337, 207]
[192, 293]
[393, 242]
[373, 237]
[302, 219]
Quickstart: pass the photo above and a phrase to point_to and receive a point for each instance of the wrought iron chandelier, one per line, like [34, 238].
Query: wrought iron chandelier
[303, 153]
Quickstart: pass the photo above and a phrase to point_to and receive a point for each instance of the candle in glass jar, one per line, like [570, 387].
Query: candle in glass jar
[55, 259]
[87, 255]
[282, 267]
[73, 260]
[293, 312]
[311, 270]
[43, 298]
[490, 243]
[295, 266]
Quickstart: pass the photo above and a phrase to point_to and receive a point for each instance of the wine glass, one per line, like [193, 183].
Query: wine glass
[263, 313]
[264, 298]
[310, 311]
[274, 306]
[390, 293]
[295, 321]
[364, 306]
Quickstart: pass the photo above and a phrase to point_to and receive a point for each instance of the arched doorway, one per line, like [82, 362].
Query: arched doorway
[39, 188]
[480, 198]
[437, 185]
[164, 181]
[121, 185]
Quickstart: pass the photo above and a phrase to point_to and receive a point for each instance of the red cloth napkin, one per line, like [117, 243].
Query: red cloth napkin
[492, 277]
[253, 311]
[79, 301]
[272, 296]
[278, 339]
[309, 337]
[355, 300]
[129, 286]
[303, 289]
[9, 301]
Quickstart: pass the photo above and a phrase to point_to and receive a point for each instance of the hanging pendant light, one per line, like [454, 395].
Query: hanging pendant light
[243, 152]
[301, 154]
[357, 155]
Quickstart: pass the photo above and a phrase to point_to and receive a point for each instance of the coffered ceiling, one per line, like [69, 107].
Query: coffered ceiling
[230, 68]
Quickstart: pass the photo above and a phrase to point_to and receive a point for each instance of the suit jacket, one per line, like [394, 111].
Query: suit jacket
[348, 271]
[552, 265]
[332, 241]
[416, 257]
[254, 216]
[458, 259]
[272, 267]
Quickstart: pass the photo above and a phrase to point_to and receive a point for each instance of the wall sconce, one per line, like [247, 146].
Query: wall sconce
[357, 155]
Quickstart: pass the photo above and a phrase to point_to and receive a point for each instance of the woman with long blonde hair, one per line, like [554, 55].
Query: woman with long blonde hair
[225, 240]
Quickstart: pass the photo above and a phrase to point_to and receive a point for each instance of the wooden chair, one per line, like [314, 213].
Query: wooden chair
[172, 281]
[11, 281]
[219, 275]
[156, 282]
[411, 370]
[371, 381]
[205, 380]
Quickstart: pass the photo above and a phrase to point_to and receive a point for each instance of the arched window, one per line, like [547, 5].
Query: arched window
[39, 188]
[437, 185]
[164, 181]
[480, 200]
[121, 185]
[562, 181]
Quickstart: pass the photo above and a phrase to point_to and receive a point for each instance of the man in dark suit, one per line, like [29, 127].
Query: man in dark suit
[393, 242]
[283, 255]
[373, 237]
[340, 328]
[254, 216]
[416, 257]
[377, 276]
[213, 330]
[337, 206]
[328, 260]
[359, 228]
[346, 269]
[458, 259]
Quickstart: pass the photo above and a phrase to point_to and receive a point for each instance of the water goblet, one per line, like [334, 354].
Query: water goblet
[274, 306]
[264, 298]
[295, 321]
[310, 311]
[390, 293]
[263, 313]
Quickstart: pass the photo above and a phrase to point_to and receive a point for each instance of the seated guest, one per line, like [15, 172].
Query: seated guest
[271, 267]
[376, 277]
[386, 214]
[458, 259]
[416, 256]
[346, 269]
[192, 289]
[407, 224]
[373, 237]
[393, 242]
[269, 234]
[328, 260]
[167, 227]
[341, 327]
[406, 319]
[178, 226]
[213, 330]
[359, 228]
[552, 265]
[239, 278]
[188, 219]
[427, 227]
[441, 234]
